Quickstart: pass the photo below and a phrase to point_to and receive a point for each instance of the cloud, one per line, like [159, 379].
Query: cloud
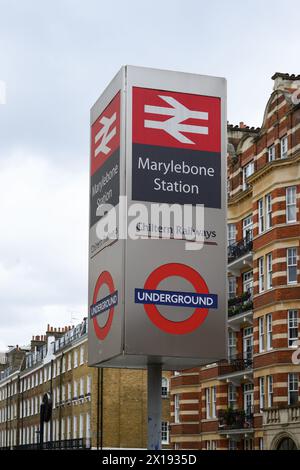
[55, 59]
[43, 249]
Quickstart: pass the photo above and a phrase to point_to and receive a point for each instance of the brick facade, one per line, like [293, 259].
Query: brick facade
[241, 403]
[92, 407]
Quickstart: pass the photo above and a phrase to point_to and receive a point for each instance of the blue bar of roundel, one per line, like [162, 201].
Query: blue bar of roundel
[103, 300]
[193, 295]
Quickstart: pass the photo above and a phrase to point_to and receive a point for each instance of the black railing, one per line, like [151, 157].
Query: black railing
[236, 363]
[241, 363]
[238, 249]
[235, 419]
[58, 445]
[241, 304]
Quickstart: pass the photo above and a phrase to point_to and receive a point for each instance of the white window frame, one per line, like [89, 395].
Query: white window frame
[248, 227]
[63, 393]
[88, 384]
[261, 334]
[293, 386]
[63, 431]
[261, 216]
[271, 153]
[176, 409]
[68, 427]
[284, 147]
[261, 393]
[269, 271]
[70, 361]
[248, 281]
[207, 403]
[75, 389]
[270, 390]
[75, 359]
[232, 396]
[63, 367]
[231, 344]
[81, 426]
[231, 287]
[81, 361]
[268, 204]
[88, 426]
[164, 387]
[231, 234]
[261, 443]
[214, 402]
[261, 275]
[74, 427]
[248, 170]
[291, 262]
[293, 327]
[69, 391]
[81, 387]
[291, 204]
[269, 321]
[165, 432]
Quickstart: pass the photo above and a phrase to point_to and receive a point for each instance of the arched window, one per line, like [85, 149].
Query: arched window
[164, 387]
[286, 444]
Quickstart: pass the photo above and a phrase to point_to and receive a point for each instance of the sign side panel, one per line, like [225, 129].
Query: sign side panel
[106, 259]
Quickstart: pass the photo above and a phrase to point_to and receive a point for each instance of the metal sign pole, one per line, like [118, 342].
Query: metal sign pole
[154, 406]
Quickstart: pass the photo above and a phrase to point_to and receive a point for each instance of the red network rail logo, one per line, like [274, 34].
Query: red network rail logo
[105, 134]
[181, 120]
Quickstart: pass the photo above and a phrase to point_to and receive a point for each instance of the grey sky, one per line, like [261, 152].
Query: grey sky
[56, 57]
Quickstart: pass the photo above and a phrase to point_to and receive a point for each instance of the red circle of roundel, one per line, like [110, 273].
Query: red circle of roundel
[200, 286]
[104, 278]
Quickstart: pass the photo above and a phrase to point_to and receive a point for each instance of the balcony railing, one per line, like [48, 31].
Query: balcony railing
[241, 304]
[56, 445]
[282, 416]
[236, 364]
[239, 249]
[235, 419]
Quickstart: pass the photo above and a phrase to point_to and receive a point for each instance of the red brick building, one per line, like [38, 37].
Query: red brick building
[252, 401]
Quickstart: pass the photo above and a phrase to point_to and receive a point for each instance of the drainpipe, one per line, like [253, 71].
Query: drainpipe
[98, 407]
[6, 424]
[51, 393]
[101, 398]
[60, 387]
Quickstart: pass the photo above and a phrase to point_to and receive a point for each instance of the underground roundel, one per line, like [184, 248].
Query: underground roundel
[200, 300]
[104, 304]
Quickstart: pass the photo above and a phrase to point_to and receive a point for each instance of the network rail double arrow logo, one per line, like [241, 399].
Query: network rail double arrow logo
[174, 125]
[176, 148]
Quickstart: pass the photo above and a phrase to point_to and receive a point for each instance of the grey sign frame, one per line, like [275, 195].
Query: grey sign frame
[139, 344]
